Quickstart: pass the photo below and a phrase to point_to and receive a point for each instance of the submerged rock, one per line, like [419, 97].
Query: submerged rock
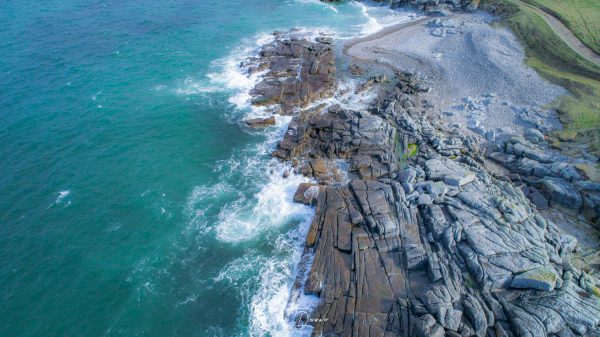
[260, 122]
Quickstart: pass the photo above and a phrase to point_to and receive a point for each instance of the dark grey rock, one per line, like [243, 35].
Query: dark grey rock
[562, 193]
[537, 199]
[534, 135]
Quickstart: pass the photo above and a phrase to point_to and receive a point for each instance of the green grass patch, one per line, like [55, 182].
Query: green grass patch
[403, 156]
[554, 60]
[582, 17]
[411, 151]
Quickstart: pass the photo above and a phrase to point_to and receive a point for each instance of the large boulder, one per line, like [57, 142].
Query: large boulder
[562, 192]
[306, 194]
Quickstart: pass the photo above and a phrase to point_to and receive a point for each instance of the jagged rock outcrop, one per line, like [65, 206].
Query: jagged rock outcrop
[414, 237]
[474, 259]
[551, 179]
[298, 72]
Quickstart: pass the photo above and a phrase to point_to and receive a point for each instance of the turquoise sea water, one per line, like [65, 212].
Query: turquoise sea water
[133, 202]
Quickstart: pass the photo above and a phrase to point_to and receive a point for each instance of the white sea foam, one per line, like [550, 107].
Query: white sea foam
[61, 196]
[189, 299]
[320, 3]
[239, 270]
[227, 75]
[371, 26]
[271, 207]
[201, 200]
[231, 76]
[62, 199]
[193, 86]
[379, 17]
[271, 300]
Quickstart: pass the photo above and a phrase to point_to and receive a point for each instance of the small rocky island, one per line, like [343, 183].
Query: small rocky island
[422, 228]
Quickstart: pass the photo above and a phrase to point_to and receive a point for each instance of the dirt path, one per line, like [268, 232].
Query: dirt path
[565, 34]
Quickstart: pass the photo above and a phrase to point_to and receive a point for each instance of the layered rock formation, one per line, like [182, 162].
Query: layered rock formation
[297, 73]
[550, 179]
[412, 235]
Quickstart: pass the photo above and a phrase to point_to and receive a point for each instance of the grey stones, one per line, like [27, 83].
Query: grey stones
[588, 186]
[552, 178]
[438, 189]
[538, 199]
[534, 135]
[541, 278]
[568, 243]
[476, 315]
[356, 70]
[475, 125]
[457, 180]
[424, 200]
[324, 39]
[451, 172]
[408, 175]
[437, 7]
[502, 158]
[563, 193]
[437, 248]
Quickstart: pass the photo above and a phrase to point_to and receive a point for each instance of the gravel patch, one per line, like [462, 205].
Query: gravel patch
[476, 71]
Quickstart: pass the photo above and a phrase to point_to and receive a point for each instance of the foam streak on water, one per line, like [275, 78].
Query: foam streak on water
[268, 212]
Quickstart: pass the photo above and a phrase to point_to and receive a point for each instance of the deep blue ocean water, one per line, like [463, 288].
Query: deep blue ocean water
[133, 201]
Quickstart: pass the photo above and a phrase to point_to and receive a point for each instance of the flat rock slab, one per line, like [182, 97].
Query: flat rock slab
[448, 171]
[542, 278]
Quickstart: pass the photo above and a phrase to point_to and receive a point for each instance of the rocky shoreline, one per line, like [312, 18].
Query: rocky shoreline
[417, 232]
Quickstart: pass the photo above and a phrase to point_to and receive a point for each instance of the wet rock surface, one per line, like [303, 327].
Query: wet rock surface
[413, 236]
[260, 122]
